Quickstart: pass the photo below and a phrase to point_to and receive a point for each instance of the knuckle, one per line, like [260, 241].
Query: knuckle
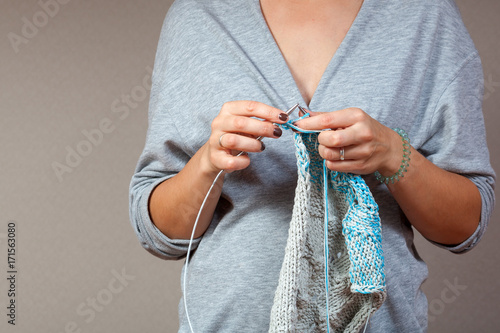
[230, 164]
[326, 119]
[270, 114]
[227, 106]
[365, 152]
[326, 138]
[251, 106]
[326, 153]
[239, 123]
[358, 114]
[215, 123]
[337, 141]
[231, 141]
[237, 163]
[321, 151]
[359, 165]
[366, 135]
[333, 139]
[329, 154]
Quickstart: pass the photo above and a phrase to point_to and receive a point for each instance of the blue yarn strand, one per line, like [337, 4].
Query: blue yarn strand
[325, 189]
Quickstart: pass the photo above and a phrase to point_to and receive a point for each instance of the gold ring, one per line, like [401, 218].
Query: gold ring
[342, 154]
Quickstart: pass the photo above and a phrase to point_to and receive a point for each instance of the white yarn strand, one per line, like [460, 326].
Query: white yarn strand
[366, 325]
[184, 287]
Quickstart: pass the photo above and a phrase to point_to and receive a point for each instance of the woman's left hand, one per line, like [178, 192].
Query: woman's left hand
[368, 145]
[443, 206]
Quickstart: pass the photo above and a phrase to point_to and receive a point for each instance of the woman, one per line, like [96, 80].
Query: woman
[369, 67]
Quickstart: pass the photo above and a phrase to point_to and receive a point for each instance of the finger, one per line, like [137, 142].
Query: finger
[351, 153]
[250, 126]
[238, 142]
[255, 109]
[351, 166]
[353, 135]
[331, 120]
[226, 161]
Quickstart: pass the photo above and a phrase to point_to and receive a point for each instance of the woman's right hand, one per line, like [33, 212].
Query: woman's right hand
[236, 129]
[175, 203]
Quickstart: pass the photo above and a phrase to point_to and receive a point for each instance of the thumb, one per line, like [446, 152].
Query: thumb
[308, 123]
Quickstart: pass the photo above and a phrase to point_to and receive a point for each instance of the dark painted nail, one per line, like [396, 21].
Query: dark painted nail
[277, 132]
[262, 146]
[283, 117]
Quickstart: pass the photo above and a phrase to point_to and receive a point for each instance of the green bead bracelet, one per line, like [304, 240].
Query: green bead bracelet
[405, 163]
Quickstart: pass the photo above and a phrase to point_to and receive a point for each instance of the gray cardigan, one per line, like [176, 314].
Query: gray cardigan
[409, 64]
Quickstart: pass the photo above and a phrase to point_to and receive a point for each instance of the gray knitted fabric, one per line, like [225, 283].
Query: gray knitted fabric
[356, 267]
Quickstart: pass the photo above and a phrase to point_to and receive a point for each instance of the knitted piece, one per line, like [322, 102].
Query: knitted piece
[356, 265]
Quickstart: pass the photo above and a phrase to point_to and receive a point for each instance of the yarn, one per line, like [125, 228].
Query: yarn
[188, 254]
[353, 277]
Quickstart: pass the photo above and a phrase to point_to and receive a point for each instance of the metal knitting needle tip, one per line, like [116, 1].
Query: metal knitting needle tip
[304, 111]
[290, 110]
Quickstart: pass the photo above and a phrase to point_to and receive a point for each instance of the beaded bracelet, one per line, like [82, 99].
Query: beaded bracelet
[405, 163]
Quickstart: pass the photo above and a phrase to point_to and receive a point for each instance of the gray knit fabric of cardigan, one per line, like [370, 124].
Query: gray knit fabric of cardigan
[356, 266]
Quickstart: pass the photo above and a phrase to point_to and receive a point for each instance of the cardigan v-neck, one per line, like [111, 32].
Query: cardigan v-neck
[341, 51]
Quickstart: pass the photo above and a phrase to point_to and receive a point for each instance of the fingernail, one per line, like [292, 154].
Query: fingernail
[277, 132]
[283, 117]
[262, 146]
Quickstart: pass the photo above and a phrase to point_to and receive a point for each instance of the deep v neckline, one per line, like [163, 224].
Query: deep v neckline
[333, 63]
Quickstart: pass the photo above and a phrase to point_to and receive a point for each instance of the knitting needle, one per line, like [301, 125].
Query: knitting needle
[304, 111]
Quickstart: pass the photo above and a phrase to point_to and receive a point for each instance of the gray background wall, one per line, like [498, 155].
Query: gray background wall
[79, 265]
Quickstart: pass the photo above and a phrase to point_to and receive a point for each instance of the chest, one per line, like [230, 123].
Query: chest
[309, 35]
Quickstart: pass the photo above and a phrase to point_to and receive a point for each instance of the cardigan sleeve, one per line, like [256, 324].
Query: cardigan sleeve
[166, 151]
[458, 140]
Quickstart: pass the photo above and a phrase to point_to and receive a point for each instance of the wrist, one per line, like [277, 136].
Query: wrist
[392, 160]
[396, 166]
